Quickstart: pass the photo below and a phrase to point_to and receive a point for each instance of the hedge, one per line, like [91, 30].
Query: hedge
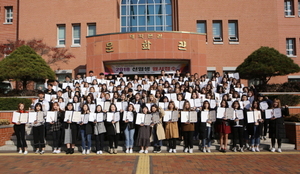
[286, 99]
[12, 103]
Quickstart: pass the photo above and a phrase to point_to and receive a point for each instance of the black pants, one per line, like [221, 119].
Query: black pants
[188, 138]
[99, 141]
[172, 143]
[56, 139]
[238, 134]
[38, 136]
[278, 142]
[266, 124]
[113, 140]
[20, 134]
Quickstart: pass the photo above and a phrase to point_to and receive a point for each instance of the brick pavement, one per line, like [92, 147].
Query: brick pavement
[248, 162]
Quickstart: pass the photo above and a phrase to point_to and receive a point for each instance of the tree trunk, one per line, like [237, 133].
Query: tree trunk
[24, 85]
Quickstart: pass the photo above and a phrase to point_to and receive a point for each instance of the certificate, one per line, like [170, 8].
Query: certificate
[167, 116]
[68, 116]
[51, 116]
[175, 115]
[229, 113]
[137, 107]
[212, 116]
[193, 116]
[64, 85]
[99, 117]
[16, 117]
[32, 117]
[49, 97]
[221, 113]
[263, 105]
[140, 119]
[204, 116]
[269, 113]
[128, 116]
[277, 112]
[40, 117]
[113, 116]
[92, 117]
[76, 117]
[106, 105]
[155, 118]
[163, 105]
[62, 105]
[92, 107]
[184, 116]
[122, 106]
[213, 104]
[239, 114]
[116, 116]
[76, 106]
[85, 118]
[179, 104]
[148, 119]
[187, 95]
[250, 117]
[24, 117]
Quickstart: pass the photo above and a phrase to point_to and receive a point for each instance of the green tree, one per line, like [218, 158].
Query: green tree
[265, 63]
[25, 64]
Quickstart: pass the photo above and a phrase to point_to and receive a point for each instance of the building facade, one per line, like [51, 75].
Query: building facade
[217, 35]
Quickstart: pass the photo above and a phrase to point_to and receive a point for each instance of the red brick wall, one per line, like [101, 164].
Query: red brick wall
[8, 31]
[6, 115]
[5, 134]
[293, 134]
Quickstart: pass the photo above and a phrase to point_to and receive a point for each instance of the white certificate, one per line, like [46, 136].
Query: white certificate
[277, 113]
[184, 116]
[128, 116]
[197, 102]
[68, 116]
[76, 106]
[32, 117]
[213, 104]
[175, 115]
[187, 95]
[76, 117]
[49, 97]
[51, 116]
[40, 117]
[193, 117]
[85, 118]
[269, 113]
[110, 116]
[204, 116]
[163, 105]
[92, 107]
[106, 106]
[99, 117]
[64, 85]
[137, 107]
[24, 117]
[155, 118]
[117, 116]
[140, 119]
[167, 116]
[148, 119]
[221, 113]
[16, 117]
[212, 115]
[239, 114]
[62, 105]
[92, 117]
[263, 105]
[229, 113]
[250, 117]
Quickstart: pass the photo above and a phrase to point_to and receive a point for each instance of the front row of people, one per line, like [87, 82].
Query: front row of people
[66, 131]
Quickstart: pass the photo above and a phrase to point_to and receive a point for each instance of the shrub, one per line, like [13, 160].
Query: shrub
[12, 103]
[4, 122]
[284, 87]
[286, 99]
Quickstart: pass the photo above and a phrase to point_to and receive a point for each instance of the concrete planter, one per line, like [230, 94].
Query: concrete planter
[293, 133]
[6, 131]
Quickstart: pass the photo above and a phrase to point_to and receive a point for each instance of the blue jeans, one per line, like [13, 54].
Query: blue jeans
[207, 141]
[129, 133]
[156, 142]
[85, 137]
[254, 138]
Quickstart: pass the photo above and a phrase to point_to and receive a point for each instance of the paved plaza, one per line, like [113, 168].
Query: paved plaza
[163, 163]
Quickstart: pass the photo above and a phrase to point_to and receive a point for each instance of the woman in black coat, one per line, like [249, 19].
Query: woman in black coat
[276, 126]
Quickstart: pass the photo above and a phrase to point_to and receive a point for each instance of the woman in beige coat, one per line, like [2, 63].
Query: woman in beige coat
[171, 129]
[158, 132]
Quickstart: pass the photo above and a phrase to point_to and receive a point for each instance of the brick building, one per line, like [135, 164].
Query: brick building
[99, 32]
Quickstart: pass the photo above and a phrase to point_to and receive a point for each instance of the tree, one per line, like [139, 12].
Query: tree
[25, 64]
[52, 55]
[265, 63]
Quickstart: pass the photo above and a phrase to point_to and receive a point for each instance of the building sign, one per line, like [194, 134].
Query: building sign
[145, 36]
[145, 68]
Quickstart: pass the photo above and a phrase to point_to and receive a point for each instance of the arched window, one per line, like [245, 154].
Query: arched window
[146, 15]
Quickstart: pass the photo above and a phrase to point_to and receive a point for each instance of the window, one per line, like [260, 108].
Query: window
[76, 34]
[233, 31]
[201, 27]
[91, 29]
[293, 78]
[289, 8]
[61, 39]
[290, 47]
[146, 15]
[217, 31]
[8, 14]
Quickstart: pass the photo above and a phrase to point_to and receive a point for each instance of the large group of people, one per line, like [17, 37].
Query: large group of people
[148, 109]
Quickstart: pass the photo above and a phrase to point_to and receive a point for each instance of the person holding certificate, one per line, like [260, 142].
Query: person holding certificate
[71, 130]
[237, 126]
[113, 128]
[253, 128]
[19, 129]
[188, 130]
[38, 129]
[158, 132]
[99, 129]
[144, 132]
[56, 128]
[171, 129]
[205, 131]
[223, 125]
[276, 125]
[86, 130]
[128, 126]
